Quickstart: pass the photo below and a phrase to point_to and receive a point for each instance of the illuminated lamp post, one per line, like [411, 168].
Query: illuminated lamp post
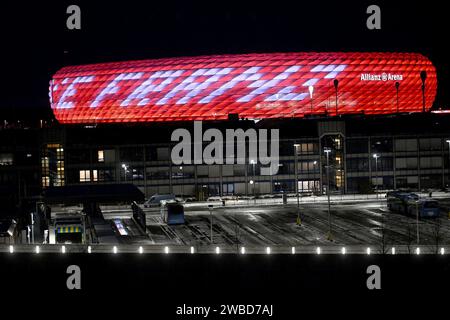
[311, 90]
[376, 156]
[423, 77]
[253, 182]
[336, 83]
[296, 146]
[327, 152]
[397, 86]
[314, 180]
[125, 170]
[182, 179]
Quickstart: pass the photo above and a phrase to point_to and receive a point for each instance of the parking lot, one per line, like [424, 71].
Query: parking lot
[352, 223]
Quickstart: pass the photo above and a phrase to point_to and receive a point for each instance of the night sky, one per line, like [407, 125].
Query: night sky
[36, 42]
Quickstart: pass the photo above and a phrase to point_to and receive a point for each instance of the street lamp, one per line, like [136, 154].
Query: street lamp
[125, 170]
[327, 152]
[182, 185]
[314, 180]
[296, 145]
[376, 156]
[210, 207]
[32, 227]
[448, 141]
[28, 234]
[311, 90]
[417, 222]
[252, 182]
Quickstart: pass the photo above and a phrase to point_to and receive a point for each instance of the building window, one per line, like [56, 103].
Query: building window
[157, 173]
[431, 144]
[308, 166]
[357, 164]
[406, 163]
[306, 148]
[359, 145]
[406, 145]
[101, 156]
[308, 185]
[431, 162]
[228, 188]
[45, 181]
[52, 165]
[106, 175]
[85, 175]
[134, 154]
[380, 145]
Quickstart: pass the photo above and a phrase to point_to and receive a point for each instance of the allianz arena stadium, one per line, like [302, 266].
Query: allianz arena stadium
[253, 86]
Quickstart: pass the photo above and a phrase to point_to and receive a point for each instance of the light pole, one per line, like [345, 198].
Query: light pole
[311, 90]
[448, 141]
[182, 179]
[423, 77]
[32, 227]
[253, 182]
[125, 169]
[417, 222]
[327, 152]
[28, 234]
[314, 180]
[83, 216]
[211, 222]
[296, 181]
[376, 156]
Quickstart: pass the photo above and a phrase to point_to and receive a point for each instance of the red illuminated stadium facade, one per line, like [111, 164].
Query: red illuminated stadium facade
[254, 86]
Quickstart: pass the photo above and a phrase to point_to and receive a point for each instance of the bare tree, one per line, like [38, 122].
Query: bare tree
[383, 237]
[237, 233]
[409, 236]
[437, 234]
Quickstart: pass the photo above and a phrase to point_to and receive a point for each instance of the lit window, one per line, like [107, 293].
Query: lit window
[101, 157]
[85, 176]
[94, 175]
[45, 181]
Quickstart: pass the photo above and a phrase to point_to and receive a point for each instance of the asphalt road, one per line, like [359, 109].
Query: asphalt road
[362, 223]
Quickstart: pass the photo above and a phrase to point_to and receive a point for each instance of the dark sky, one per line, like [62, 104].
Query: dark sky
[36, 43]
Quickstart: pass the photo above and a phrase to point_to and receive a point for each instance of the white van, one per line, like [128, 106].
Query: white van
[155, 200]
